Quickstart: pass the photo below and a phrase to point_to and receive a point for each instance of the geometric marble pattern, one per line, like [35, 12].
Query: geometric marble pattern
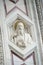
[10, 5]
[17, 60]
[28, 24]
[14, 1]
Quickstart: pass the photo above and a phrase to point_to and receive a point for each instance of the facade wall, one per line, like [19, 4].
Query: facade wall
[25, 10]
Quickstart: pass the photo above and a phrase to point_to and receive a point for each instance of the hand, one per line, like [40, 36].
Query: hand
[21, 43]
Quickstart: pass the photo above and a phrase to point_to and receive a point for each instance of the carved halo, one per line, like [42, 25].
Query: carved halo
[17, 21]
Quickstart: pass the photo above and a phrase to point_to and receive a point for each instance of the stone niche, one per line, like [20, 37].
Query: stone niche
[21, 41]
[20, 33]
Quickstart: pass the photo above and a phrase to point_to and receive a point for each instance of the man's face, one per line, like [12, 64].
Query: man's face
[20, 28]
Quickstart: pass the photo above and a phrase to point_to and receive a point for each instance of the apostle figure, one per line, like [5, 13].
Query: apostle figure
[21, 39]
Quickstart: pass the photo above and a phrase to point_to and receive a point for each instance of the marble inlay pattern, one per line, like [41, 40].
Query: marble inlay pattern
[8, 3]
[24, 61]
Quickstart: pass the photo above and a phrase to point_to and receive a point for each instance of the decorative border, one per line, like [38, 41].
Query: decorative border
[32, 54]
[6, 13]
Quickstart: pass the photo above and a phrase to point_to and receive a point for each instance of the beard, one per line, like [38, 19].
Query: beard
[20, 32]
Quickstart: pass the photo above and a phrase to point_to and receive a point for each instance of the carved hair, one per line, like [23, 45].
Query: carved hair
[17, 22]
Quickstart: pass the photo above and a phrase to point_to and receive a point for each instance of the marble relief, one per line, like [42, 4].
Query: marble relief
[21, 38]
